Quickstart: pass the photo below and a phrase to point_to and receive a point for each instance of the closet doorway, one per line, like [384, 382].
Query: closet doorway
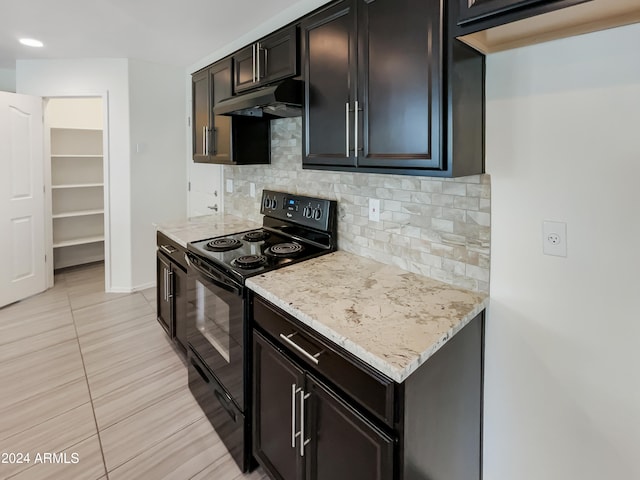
[77, 167]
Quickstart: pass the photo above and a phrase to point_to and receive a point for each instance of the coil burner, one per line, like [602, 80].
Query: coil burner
[288, 249]
[256, 236]
[249, 261]
[223, 244]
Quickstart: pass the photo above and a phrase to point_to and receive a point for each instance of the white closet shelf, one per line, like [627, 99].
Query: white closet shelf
[78, 213]
[79, 241]
[77, 185]
[58, 155]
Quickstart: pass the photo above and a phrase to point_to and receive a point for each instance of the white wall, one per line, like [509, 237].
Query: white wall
[90, 77]
[158, 174]
[562, 392]
[7, 80]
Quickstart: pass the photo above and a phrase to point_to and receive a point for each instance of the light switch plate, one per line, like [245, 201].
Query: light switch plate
[252, 190]
[229, 185]
[554, 238]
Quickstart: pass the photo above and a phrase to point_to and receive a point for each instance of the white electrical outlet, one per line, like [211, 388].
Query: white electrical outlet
[374, 209]
[229, 185]
[252, 190]
[554, 238]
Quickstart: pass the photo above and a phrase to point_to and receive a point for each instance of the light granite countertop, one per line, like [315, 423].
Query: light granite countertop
[207, 226]
[391, 319]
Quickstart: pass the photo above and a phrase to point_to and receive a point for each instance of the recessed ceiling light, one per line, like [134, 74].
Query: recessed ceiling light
[31, 42]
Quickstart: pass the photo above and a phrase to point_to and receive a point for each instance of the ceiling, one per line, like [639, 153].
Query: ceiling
[173, 32]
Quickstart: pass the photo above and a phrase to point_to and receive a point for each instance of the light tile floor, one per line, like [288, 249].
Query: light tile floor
[92, 375]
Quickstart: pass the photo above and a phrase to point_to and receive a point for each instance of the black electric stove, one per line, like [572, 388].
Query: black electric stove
[294, 228]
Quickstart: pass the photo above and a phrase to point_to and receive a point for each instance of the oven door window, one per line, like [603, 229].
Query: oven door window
[212, 320]
[216, 329]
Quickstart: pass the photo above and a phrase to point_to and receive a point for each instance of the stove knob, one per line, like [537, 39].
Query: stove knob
[317, 214]
[306, 212]
[267, 202]
[274, 203]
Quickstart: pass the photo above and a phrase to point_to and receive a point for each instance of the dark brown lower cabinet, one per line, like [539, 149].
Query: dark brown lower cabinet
[322, 414]
[171, 290]
[304, 430]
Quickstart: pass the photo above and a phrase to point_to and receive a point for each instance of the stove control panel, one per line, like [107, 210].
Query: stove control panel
[312, 212]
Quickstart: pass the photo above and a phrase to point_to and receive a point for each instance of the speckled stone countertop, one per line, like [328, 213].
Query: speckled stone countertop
[391, 319]
[207, 226]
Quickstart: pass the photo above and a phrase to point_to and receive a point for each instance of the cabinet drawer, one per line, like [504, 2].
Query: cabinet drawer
[369, 388]
[171, 249]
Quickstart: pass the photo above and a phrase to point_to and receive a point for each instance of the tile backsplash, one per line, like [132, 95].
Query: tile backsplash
[436, 227]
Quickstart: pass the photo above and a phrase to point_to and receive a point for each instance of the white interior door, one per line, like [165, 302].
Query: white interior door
[22, 242]
[205, 195]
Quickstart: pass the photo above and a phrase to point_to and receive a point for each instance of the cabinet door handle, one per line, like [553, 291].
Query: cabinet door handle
[204, 140]
[303, 441]
[215, 141]
[355, 129]
[258, 48]
[169, 285]
[168, 249]
[287, 339]
[253, 55]
[294, 434]
[346, 113]
[166, 281]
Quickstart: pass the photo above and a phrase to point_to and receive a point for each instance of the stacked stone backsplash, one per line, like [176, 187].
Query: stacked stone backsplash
[435, 227]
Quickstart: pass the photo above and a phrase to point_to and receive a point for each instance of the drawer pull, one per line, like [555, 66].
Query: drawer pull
[168, 249]
[287, 340]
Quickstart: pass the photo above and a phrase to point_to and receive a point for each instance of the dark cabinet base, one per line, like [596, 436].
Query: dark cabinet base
[171, 290]
[435, 432]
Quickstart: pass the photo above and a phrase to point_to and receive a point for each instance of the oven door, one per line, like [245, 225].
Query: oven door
[215, 326]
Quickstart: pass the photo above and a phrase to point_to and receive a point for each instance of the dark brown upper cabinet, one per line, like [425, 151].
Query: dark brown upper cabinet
[273, 58]
[386, 92]
[222, 139]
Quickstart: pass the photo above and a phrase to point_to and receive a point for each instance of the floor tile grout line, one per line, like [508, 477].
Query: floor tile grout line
[155, 444]
[93, 410]
[160, 399]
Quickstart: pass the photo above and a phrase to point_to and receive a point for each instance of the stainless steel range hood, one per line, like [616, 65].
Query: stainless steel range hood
[283, 99]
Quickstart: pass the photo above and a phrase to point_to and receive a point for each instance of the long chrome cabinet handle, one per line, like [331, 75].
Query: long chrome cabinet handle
[355, 129]
[253, 54]
[166, 282]
[346, 113]
[287, 339]
[204, 140]
[294, 434]
[258, 61]
[169, 285]
[303, 441]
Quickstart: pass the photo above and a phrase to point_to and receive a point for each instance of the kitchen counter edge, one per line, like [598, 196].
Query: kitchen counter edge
[274, 287]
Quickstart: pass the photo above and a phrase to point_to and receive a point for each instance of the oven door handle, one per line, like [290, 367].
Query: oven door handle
[218, 281]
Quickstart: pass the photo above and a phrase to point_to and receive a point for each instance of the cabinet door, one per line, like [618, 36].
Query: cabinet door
[471, 10]
[399, 78]
[244, 69]
[201, 93]
[278, 56]
[343, 445]
[179, 297]
[220, 136]
[163, 294]
[328, 41]
[276, 386]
